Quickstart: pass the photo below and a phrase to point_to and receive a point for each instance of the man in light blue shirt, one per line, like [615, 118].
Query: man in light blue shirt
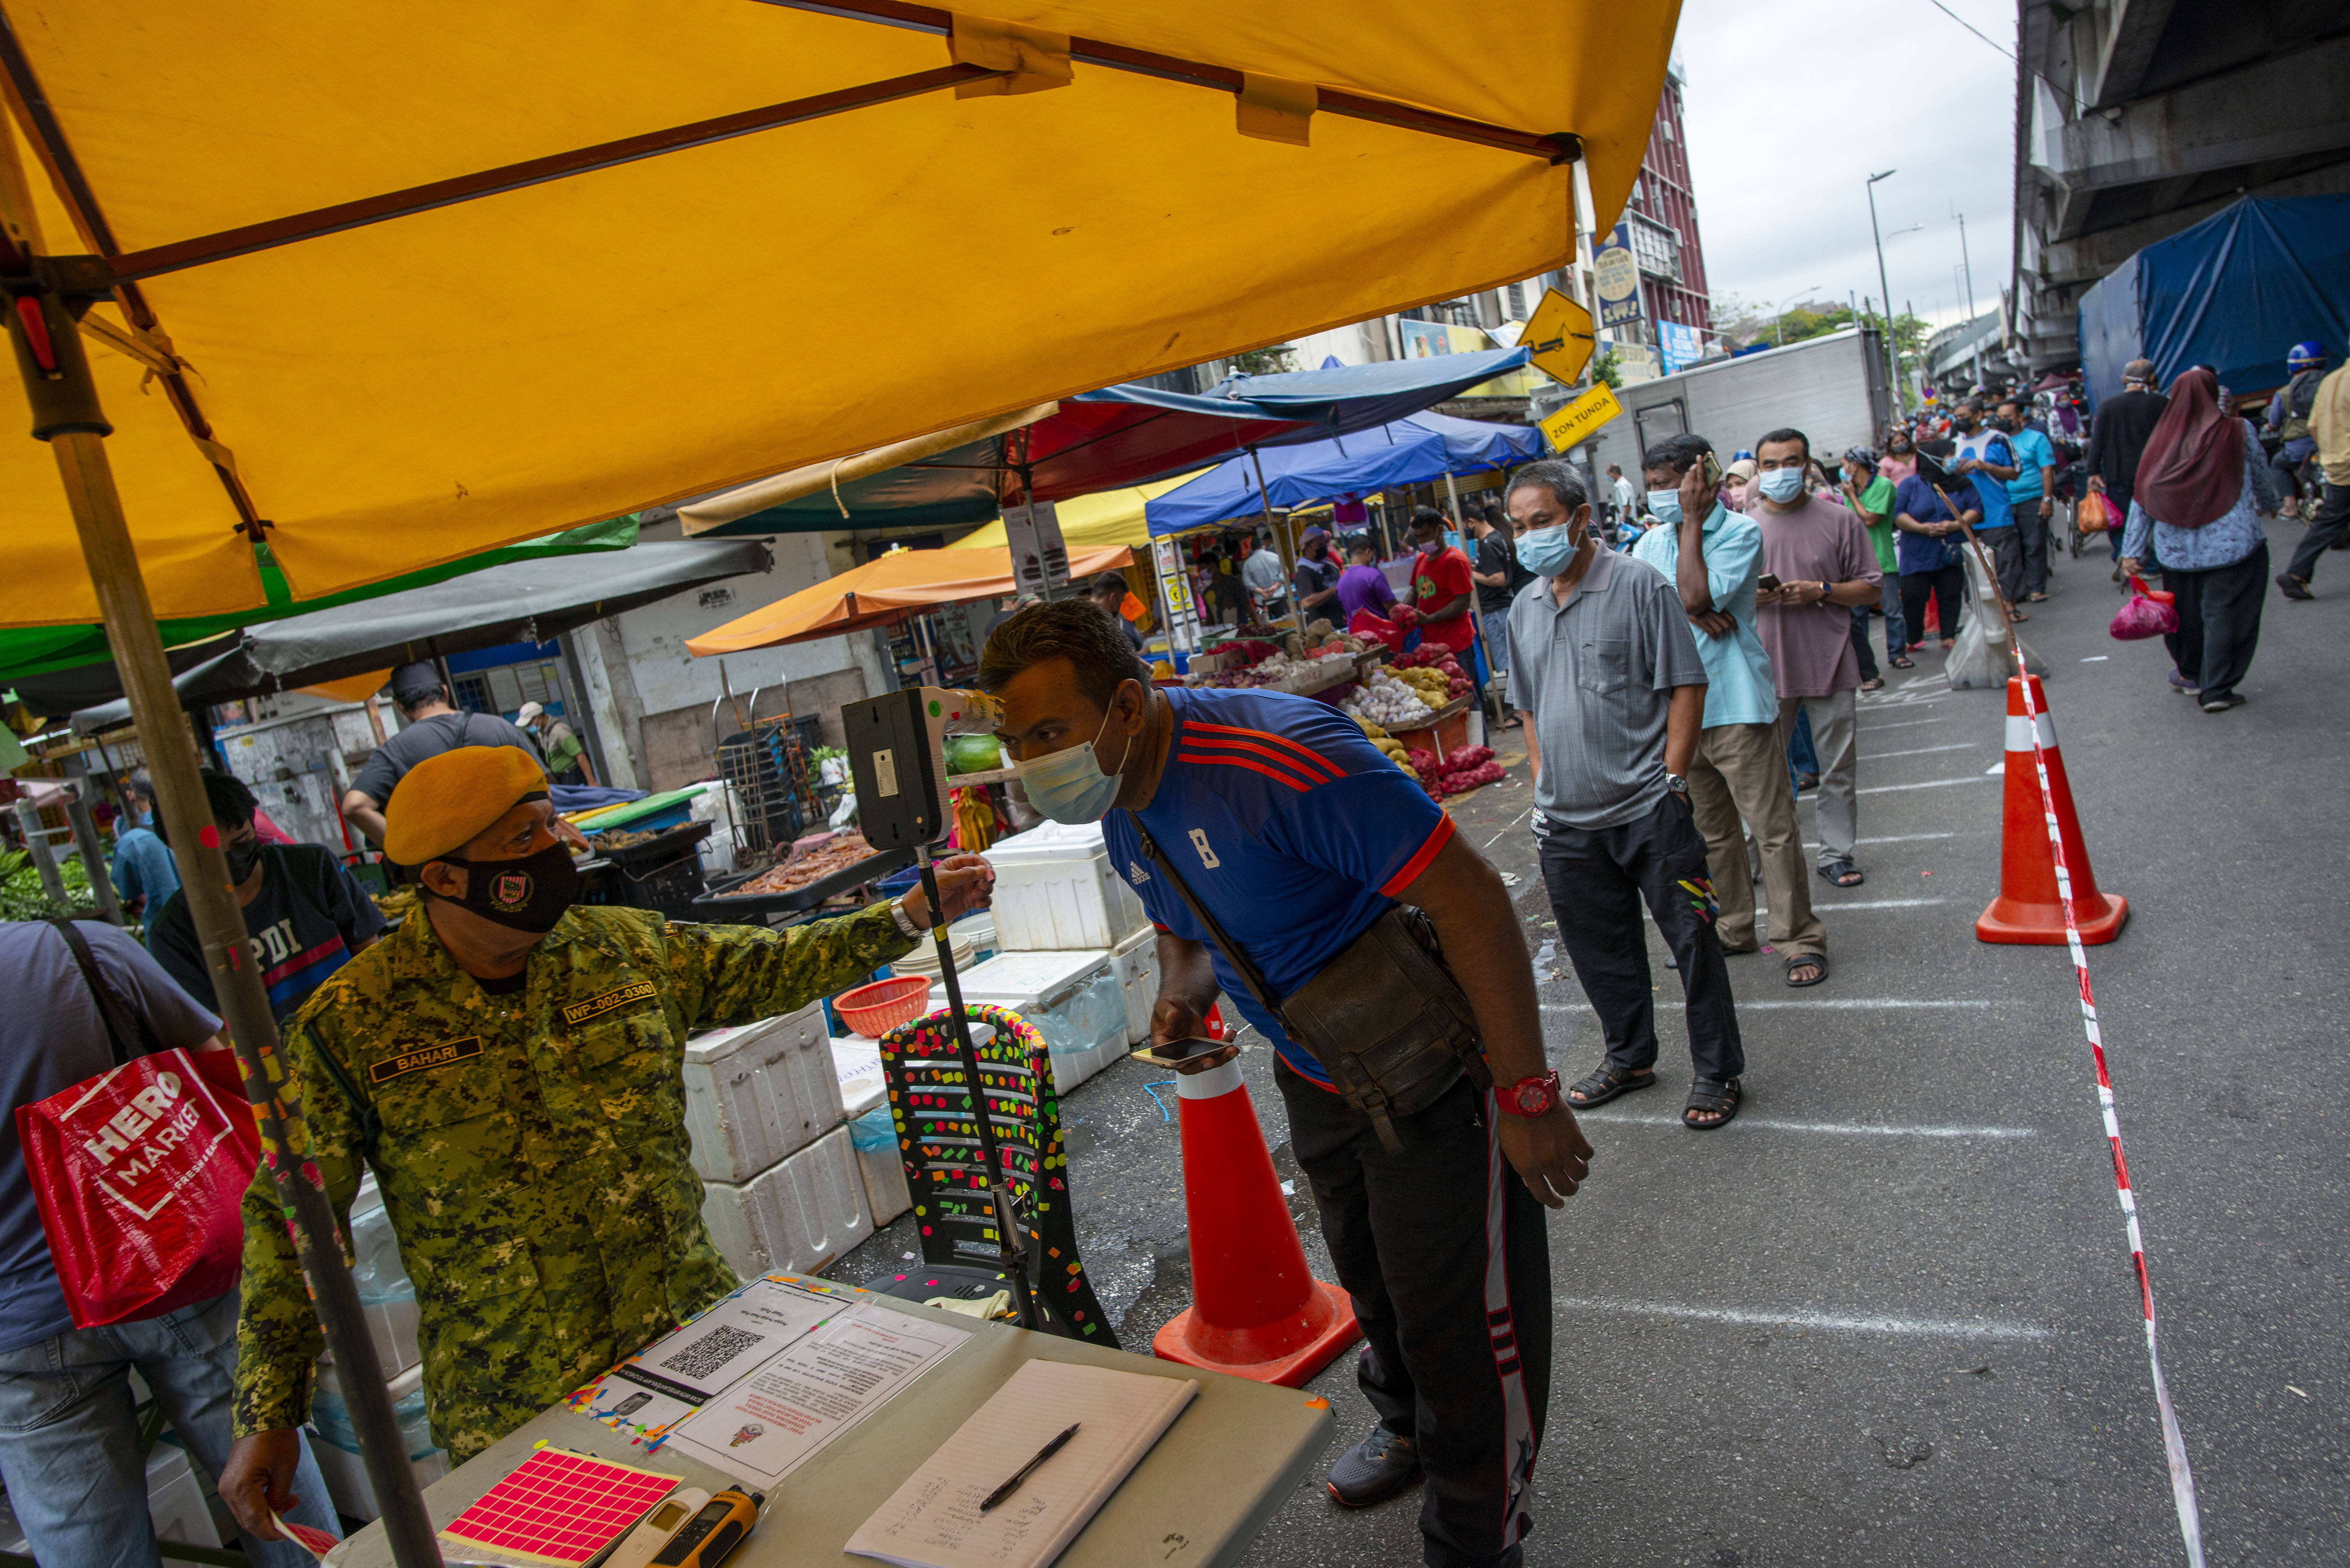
[1740, 772]
[2031, 494]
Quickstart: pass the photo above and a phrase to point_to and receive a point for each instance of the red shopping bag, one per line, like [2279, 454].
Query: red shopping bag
[2093, 514]
[140, 1171]
[2148, 613]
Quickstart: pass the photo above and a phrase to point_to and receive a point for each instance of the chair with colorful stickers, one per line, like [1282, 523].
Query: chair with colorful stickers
[931, 1107]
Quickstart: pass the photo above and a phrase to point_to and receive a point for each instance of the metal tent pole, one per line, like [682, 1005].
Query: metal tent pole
[45, 333]
[1280, 546]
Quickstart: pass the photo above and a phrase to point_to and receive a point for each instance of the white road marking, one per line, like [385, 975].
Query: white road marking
[1841, 1129]
[1907, 838]
[1910, 723]
[1927, 784]
[1762, 910]
[1997, 769]
[1833, 1004]
[1497, 837]
[1921, 750]
[1951, 1328]
[2096, 659]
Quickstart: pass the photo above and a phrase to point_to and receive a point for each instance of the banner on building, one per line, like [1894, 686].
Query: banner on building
[1679, 343]
[1616, 276]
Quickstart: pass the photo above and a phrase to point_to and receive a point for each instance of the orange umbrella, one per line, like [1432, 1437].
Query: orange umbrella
[884, 588]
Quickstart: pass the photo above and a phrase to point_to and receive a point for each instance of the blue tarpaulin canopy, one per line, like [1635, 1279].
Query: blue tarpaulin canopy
[1399, 453]
[2235, 292]
[1357, 397]
[1479, 443]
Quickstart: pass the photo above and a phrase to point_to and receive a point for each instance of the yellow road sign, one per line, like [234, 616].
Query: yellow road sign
[1560, 336]
[1581, 417]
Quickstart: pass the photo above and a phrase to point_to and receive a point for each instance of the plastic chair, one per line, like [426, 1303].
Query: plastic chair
[931, 1107]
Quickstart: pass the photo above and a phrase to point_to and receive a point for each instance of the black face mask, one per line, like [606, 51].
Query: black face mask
[525, 895]
[242, 859]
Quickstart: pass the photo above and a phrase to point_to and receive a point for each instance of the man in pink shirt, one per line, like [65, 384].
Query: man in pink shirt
[1817, 562]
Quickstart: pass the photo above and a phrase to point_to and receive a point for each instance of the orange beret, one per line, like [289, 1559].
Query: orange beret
[443, 802]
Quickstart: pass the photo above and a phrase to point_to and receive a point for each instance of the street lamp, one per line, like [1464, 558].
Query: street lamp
[1885, 289]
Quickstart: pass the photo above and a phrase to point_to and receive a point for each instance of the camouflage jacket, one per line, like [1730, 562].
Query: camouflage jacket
[531, 1149]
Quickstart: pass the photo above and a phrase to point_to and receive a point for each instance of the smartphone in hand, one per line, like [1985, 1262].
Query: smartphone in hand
[1175, 1053]
[1768, 582]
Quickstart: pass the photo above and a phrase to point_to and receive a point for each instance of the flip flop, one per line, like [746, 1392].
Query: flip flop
[1798, 960]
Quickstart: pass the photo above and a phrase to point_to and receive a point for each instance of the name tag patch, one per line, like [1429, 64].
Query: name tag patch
[611, 1001]
[441, 1056]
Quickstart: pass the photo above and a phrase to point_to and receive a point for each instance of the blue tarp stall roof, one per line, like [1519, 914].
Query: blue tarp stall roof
[1479, 443]
[2235, 292]
[1123, 435]
[1357, 397]
[1399, 454]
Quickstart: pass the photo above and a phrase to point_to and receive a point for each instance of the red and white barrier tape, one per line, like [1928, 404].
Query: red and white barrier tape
[2182, 1480]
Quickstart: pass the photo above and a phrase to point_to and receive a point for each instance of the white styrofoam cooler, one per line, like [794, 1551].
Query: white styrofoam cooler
[1055, 889]
[796, 1218]
[874, 1136]
[759, 1092]
[1073, 999]
[856, 1065]
[1136, 960]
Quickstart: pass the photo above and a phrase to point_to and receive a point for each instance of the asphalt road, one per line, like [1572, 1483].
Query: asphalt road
[1888, 1316]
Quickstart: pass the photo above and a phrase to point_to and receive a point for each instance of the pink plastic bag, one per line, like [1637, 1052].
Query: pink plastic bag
[2148, 613]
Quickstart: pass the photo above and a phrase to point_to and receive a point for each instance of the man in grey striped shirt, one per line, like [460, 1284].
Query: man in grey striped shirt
[1608, 680]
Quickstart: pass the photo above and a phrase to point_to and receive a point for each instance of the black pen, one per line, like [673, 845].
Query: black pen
[1047, 1452]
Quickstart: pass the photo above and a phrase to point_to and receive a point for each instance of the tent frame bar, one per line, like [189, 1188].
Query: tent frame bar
[1558, 147]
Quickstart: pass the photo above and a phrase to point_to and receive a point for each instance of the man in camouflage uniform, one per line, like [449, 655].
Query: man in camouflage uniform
[510, 1069]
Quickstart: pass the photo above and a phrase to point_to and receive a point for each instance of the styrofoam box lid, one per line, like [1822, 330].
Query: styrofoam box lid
[1143, 938]
[1025, 976]
[1051, 841]
[717, 1044]
[857, 1065]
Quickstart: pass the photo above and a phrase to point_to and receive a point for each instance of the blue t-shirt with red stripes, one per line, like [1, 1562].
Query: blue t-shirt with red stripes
[1292, 829]
[307, 920]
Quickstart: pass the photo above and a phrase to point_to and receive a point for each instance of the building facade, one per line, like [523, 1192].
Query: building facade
[1660, 223]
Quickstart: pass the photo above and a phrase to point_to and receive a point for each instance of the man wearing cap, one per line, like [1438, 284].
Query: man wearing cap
[509, 1065]
[430, 725]
[566, 753]
[1317, 580]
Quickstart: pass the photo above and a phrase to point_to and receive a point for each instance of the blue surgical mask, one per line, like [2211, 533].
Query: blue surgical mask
[1665, 506]
[1782, 484]
[1546, 552]
[1069, 786]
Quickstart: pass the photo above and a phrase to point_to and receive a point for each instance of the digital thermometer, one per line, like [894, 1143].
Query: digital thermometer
[637, 1547]
[713, 1534]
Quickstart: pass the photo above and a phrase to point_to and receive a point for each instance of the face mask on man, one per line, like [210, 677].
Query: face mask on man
[525, 895]
[242, 858]
[1069, 786]
[1665, 506]
[1781, 484]
[1547, 552]
[1431, 546]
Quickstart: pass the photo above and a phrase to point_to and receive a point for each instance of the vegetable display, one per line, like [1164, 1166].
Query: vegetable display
[1388, 702]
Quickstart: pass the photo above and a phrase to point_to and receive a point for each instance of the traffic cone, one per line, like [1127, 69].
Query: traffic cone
[1256, 1312]
[2027, 909]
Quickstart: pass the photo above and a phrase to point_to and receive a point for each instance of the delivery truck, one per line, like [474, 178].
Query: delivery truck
[1831, 388]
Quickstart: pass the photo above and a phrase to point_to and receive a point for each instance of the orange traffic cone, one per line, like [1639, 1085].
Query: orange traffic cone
[1256, 1312]
[2027, 909]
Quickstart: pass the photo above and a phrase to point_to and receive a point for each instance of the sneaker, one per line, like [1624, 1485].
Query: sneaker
[2294, 587]
[2222, 705]
[1374, 1469]
[2180, 683]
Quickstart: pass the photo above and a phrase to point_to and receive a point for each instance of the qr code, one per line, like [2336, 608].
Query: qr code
[710, 1352]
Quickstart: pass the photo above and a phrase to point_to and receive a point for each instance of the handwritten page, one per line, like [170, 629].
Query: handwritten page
[779, 1416]
[933, 1519]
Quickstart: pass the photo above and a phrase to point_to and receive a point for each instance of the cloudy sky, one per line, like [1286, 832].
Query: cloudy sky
[1791, 107]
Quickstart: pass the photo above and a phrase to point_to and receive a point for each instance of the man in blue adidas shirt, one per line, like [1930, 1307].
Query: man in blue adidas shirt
[1296, 835]
[1987, 456]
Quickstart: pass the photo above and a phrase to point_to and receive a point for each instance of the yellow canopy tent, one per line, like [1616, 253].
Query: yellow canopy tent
[881, 590]
[392, 295]
[1090, 522]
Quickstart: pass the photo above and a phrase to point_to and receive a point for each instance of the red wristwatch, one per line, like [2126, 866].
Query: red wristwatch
[1530, 1096]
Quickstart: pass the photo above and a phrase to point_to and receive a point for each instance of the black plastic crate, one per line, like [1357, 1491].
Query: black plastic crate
[667, 887]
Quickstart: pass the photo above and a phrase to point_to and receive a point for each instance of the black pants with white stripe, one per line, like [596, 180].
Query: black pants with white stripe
[1448, 1260]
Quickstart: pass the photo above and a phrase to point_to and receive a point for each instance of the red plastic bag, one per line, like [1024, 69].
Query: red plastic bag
[2148, 613]
[139, 1172]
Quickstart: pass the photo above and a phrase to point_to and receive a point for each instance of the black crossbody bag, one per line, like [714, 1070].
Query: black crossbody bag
[1384, 1018]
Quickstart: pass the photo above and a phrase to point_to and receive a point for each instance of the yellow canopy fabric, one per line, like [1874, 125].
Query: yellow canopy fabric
[485, 368]
[881, 590]
[1090, 522]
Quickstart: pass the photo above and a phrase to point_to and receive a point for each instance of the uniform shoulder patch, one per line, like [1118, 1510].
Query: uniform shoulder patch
[430, 1057]
[623, 996]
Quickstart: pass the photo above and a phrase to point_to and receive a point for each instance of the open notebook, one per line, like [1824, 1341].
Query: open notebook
[933, 1519]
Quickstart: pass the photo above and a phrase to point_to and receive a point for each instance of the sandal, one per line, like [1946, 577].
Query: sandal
[1817, 961]
[1720, 1096]
[1900, 662]
[1873, 683]
[1604, 1085]
[1842, 874]
[2035, 598]
[1948, 643]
